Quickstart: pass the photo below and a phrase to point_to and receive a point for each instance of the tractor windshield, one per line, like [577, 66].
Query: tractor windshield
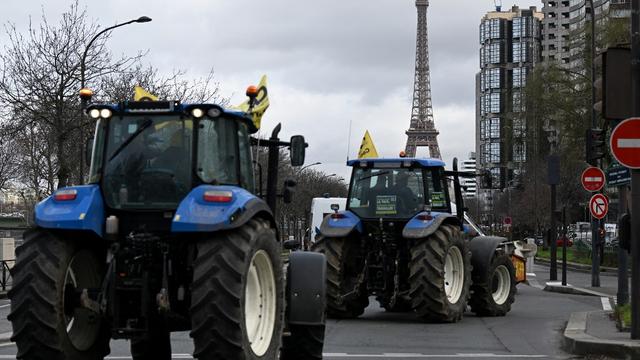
[397, 193]
[389, 193]
[147, 161]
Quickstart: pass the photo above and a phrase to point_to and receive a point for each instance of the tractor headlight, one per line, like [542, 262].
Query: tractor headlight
[197, 113]
[105, 113]
[94, 113]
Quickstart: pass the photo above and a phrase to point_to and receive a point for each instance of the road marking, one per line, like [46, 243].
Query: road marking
[431, 356]
[4, 306]
[362, 356]
[629, 143]
[606, 304]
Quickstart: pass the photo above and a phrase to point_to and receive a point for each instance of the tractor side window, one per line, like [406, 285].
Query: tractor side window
[437, 186]
[96, 153]
[218, 151]
[246, 164]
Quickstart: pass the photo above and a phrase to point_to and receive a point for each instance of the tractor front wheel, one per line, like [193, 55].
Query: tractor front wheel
[237, 296]
[496, 292]
[48, 278]
[440, 275]
[344, 301]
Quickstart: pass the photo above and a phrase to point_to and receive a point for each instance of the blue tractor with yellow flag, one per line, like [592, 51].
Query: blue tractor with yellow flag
[170, 234]
[402, 239]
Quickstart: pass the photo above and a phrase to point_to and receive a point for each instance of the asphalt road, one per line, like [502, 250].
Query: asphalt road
[532, 330]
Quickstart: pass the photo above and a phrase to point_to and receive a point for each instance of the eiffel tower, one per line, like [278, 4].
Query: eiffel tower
[422, 131]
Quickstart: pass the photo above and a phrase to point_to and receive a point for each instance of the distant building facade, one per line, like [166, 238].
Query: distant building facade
[469, 185]
[510, 46]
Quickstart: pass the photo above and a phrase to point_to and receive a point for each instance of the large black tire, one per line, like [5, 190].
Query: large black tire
[496, 292]
[304, 343]
[225, 272]
[156, 345]
[46, 270]
[342, 274]
[428, 292]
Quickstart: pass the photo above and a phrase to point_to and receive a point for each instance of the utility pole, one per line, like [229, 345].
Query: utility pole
[635, 174]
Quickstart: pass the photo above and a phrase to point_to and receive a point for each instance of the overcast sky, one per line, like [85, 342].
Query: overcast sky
[330, 63]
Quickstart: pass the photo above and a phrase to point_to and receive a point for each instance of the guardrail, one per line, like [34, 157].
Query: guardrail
[6, 280]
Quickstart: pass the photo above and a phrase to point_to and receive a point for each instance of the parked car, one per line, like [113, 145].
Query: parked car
[567, 239]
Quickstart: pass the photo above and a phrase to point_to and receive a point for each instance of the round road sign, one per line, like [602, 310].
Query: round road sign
[625, 143]
[599, 206]
[592, 179]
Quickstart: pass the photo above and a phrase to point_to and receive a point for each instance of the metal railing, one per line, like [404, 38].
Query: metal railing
[6, 281]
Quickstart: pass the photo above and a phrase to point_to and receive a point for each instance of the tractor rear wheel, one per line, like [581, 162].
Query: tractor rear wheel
[496, 292]
[48, 321]
[342, 277]
[237, 296]
[440, 275]
[304, 343]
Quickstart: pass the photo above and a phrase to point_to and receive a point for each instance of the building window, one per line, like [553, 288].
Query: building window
[518, 77]
[494, 78]
[494, 128]
[494, 103]
[495, 28]
[483, 129]
[493, 54]
[520, 152]
[483, 108]
[495, 178]
[518, 127]
[517, 102]
[494, 152]
[517, 27]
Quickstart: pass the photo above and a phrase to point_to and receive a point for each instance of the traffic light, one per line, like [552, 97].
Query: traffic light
[595, 148]
[613, 84]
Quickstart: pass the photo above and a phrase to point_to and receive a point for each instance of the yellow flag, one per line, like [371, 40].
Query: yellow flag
[367, 149]
[143, 95]
[259, 106]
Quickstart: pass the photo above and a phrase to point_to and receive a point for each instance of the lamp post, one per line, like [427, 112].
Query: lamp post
[308, 166]
[85, 94]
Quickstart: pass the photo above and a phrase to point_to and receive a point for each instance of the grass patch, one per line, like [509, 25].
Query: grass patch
[579, 255]
[623, 316]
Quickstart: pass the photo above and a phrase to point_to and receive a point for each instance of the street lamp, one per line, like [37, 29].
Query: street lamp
[310, 165]
[85, 94]
[142, 19]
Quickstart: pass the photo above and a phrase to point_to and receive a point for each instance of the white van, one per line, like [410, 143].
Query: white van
[321, 207]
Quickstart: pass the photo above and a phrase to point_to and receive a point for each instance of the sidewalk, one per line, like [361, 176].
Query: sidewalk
[593, 332]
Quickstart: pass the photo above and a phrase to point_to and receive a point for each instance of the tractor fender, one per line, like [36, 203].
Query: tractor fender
[194, 214]
[341, 225]
[417, 228]
[84, 212]
[306, 288]
[482, 250]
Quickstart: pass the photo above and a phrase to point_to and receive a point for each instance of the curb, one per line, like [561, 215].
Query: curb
[577, 341]
[574, 290]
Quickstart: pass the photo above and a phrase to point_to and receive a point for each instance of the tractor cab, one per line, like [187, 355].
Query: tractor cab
[148, 156]
[397, 189]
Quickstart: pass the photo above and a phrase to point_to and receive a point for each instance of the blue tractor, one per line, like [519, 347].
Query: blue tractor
[399, 240]
[169, 234]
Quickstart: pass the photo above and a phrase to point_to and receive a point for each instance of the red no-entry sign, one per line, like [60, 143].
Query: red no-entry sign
[599, 206]
[625, 143]
[592, 179]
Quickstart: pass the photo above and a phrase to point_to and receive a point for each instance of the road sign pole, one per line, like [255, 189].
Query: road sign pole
[595, 253]
[564, 246]
[623, 262]
[635, 174]
[553, 268]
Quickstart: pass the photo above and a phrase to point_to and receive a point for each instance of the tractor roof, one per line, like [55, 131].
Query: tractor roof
[401, 162]
[168, 108]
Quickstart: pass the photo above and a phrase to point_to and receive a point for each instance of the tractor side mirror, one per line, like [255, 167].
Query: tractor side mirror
[289, 189]
[87, 151]
[297, 150]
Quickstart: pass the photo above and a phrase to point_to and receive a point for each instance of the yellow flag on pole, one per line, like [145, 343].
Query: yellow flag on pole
[367, 149]
[260, 104]
[140, 94]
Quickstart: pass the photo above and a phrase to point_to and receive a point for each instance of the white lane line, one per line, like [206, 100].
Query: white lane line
[606, 304]
[431, 356]
[4, 306]
[345, 355]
